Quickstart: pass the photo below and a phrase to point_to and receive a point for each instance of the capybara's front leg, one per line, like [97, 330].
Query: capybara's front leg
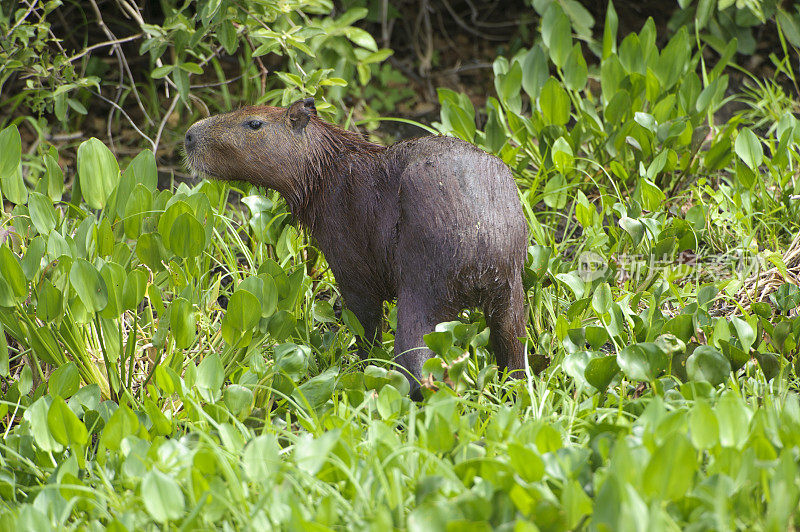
[369, 312]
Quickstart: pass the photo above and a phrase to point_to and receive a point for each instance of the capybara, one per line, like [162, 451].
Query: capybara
[434, 222]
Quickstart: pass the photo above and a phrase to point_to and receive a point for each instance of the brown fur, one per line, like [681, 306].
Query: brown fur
[434, 222]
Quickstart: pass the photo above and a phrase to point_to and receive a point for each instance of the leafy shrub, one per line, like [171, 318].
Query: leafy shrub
[281, 49]
[169, 358]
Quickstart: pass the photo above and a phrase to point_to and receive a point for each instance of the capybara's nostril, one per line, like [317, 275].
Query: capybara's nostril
[190, 140]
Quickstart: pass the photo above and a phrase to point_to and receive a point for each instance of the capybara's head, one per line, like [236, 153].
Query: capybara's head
[266, 146]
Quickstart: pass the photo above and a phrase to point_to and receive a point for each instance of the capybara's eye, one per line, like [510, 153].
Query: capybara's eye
[254, 124]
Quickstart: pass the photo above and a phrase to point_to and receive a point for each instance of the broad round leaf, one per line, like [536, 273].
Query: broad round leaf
[670, 472]
[187, 237]
[183, 321]
[600, 371]
[98, 172]
[703, 426]
[534, 71]
[749, 149]
[292, 359]
[12, 272]
[64, 381]
[43, 215]
[11, 148]
[134, 288]
[707, 364]
[64, 425]
[642, 362]
[89, 285]
[261, 457]
[150, 250]
[210, 376]
[554, 103]
[114, 278]
[162, 496]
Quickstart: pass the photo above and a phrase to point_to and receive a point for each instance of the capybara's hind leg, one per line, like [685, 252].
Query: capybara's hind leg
[415, 319]
[505, 316]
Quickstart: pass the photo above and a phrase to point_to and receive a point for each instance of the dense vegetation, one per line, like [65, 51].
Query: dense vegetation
[140, 390]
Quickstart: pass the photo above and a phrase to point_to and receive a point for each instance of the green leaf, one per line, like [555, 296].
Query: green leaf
[183, 322]
[634, 228]
[64, 381]
[11, 148]
[64, 425]
[575, 71]
[36, 415]
[744, 332]
[703, 426]
[4, 368]
[239, 317]
[610, 31]
[134, 289]
[261, 459]
[89, 285]
[555, 192]
[163, 498]
[734, 419]
[440, 342]
[310, 454]
[12, 272]
[561, 153]
[600, 371]
[122, 423]
[642, 362]
[361, 38]
[535, 71]
[560, 42]
[55, 178]
[317, 390]
[748, 148]
[670, 473]
[138, 205]
[238, 399]
[48, 301]
[192, 68]
[526, 462]
[554, 103]
[187, 236]
[162, 71]
[789, 26]
[43, 215]
[114, 278]
[166, 220]
[98, 172]
[707, 364]
[14, 188]
[292, 359]
[150, 250]
[601, 300]
[210, 377]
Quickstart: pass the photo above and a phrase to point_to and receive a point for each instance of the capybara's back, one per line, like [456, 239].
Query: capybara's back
[462, 241]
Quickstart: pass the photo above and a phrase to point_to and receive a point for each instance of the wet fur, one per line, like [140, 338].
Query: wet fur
[434, 222]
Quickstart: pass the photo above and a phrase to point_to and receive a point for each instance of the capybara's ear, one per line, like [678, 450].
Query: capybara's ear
[300, 112]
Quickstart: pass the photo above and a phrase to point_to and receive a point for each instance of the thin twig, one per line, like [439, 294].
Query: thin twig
[469, 28]
[264, 70]
[100, 45]
[164, 122]
[130, 120]
[25, 15]
[121, 58]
